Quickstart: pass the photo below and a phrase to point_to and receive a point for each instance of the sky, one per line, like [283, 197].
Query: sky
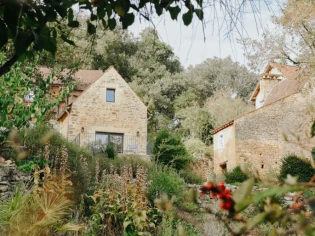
[194, 43]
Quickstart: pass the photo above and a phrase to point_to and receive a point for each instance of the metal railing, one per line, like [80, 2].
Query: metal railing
[124, 143]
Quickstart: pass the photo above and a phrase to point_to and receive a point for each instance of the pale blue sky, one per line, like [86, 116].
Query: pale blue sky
[190, 45]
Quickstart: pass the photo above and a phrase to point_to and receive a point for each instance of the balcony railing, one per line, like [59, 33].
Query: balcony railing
[126, 144]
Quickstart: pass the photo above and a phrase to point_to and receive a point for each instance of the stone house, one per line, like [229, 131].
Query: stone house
[279, 125]
[102, 109]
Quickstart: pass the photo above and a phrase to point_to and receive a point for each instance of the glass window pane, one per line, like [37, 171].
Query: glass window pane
[117, 140]
[110, 95]
[102, 138]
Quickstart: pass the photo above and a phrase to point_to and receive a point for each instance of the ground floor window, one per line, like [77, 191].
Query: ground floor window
[106, 138]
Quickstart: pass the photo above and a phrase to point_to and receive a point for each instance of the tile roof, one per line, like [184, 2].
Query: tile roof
[288, 86]
[287, 71]
[222, 127]
[84, 77]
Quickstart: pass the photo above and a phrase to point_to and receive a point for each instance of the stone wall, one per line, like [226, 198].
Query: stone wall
[265, 136]
[224, 149]
[10, 177]
[127, 115]
[202, 166]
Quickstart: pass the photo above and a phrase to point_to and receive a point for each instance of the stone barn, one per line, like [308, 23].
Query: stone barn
[280, 124]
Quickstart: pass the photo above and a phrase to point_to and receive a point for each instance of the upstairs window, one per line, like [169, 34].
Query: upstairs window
[110, 95]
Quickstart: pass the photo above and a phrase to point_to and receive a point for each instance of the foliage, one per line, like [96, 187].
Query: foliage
[191, 177]
[120, 204]
[164, 181]
[30, 163]
[291, 40]
[41, 23]
[42, 141]
[168, 149]
[223, 108]
[197, 148]
[295, 166]
[17, 84]
[40, 210]
[110, 151]
[197, 121]
[235, 176]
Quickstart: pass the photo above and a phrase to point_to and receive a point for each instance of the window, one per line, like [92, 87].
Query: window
[110, 95]
[29, 96]
[106, 138]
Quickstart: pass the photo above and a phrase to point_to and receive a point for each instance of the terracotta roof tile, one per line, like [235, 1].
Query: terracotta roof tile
[222, 127]
[288, 86]
[84, 77]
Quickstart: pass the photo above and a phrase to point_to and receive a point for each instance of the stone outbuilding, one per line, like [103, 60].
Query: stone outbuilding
[280, 124]
[103, 109]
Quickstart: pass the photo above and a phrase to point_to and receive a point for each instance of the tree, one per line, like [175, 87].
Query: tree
[223, 108]
[291, 42]
[216, 74]
[30, 26]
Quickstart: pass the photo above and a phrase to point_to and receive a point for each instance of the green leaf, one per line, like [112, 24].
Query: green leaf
[126, 223]
[199, 2]
[62, 10]
[51, 15]
[244, 191]
[74, 24]
[91, 28]
[313, 129]
[119, 8]
[111, 23]
[20, 43]
[128, 20]
[70, 15]
[257, 219]
[174, 11]
[64, 38]
[158, 9]
[199, 13]
[187, 17]
[104, 23]
[100, 12]
[93, 17]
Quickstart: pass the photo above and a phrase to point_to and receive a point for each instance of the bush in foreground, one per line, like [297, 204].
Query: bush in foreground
[235, 176]
[296, 166]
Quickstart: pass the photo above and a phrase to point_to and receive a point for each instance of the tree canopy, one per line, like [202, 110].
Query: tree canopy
[34, 25]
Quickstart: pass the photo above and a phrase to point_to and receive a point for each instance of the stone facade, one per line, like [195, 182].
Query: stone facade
[10, 178]
[202, 166]
[224, 149]
[264, 136]
[91, 113]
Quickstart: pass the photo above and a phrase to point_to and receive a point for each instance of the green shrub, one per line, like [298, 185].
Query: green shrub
[110, 151]
[296, 166]
[35, 139]
[29, 164]
[168, 149]
[235, 176]
[191, 177]
[165, 181]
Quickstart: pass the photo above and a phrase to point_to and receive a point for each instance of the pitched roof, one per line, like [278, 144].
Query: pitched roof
[285, 87]
[288, 86]
[295, 78]
[218, 129]
[84, 77]
[287, 71]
